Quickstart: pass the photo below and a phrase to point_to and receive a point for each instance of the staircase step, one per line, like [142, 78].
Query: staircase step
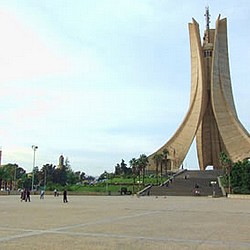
[185, 184]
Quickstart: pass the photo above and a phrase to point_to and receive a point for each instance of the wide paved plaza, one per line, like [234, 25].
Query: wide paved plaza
[124, 222]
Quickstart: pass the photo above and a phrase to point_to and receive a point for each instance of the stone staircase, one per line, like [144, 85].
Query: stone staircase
[189, 181]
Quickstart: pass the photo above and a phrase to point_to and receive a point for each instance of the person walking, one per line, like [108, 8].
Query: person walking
[42, 194]
[22, 197]
[27, 196]
[65, 200]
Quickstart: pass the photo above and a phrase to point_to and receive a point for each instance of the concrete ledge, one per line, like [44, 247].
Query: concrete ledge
[239, 196]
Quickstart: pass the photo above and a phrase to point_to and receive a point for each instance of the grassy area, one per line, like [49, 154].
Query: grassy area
[114, 185]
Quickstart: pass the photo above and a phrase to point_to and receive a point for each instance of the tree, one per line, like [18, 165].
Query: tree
[36, 177]
[224, 160]
[72, 177]
[103, 176]
[67, 163]
[240, 177]
[48, 170]
[118, 169]
[142, 163]
[46, 175]
[26, 181]
[158, 161]
[60, 176]
[1, 176]
[227, 165]
[5, 176]
[123, 167]
[134, 165]
[8, 175]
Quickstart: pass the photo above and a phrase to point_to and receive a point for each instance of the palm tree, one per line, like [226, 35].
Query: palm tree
[143, 162]
[226, 164]
[133, 164]
[158, 161]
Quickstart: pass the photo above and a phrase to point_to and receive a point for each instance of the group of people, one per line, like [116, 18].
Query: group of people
[25, 195]
[65, 199]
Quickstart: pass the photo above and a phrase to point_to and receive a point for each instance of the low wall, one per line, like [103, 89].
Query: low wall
[239, 196]
[60, 193]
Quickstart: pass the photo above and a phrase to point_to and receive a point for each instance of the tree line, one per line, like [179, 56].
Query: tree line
[13, 177]
[137, 168]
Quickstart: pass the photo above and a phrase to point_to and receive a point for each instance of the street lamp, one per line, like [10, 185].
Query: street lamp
[15, 177]
[34, 154]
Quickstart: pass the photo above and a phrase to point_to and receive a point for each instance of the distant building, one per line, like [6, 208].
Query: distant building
[61, 161]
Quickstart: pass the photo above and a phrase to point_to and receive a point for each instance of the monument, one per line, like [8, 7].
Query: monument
[211, 116]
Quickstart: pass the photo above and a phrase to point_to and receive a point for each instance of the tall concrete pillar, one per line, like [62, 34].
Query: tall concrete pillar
[211, 116]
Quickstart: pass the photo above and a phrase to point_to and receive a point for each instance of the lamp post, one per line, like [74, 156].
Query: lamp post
[34, 154]
[15, 177]
[107, 185]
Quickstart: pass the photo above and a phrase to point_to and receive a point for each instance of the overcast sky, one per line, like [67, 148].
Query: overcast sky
[103, 80]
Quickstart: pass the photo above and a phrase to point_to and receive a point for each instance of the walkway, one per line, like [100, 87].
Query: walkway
[124, 222]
